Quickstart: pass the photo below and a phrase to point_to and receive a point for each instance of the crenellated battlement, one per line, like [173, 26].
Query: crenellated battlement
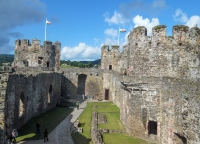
[156, 55]
[25, 43]
[35, 54]
[180, 34]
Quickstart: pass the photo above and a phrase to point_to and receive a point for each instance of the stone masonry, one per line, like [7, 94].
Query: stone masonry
[35, 55]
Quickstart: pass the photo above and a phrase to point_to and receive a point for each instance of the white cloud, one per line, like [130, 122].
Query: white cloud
[117, 18]
[180, 16]
[139, 21]
[111, 32]
[193, 21]
[80, 52]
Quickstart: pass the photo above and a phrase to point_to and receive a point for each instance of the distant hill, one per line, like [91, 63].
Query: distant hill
[9, 58]
[93, 62]
[6, 58]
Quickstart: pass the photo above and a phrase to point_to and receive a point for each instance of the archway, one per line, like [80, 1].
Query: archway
[81, 84]
[50, 93]
[21, 104]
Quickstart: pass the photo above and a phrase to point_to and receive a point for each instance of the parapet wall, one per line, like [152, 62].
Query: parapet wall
[157, 55]
[35, 55]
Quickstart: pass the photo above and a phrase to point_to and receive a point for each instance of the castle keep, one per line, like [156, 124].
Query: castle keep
[154, 81]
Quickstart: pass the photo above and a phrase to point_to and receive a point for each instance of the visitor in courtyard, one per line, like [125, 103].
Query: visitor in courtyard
[14, 135]
[38, 128]
[77, 105]
[83, 96]
[45, 135]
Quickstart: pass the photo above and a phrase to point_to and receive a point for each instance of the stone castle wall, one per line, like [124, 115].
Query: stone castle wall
[35, 55]
[171, 103]
[157, 55]
[161, 87]
[78, 81]
[28, 95]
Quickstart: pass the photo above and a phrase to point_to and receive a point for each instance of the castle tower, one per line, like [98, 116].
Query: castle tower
[35, 55]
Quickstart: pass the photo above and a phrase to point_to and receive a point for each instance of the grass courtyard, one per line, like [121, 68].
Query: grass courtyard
[52, 118]
[113, 122]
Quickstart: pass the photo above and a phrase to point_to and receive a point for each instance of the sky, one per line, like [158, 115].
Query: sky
[83, 26]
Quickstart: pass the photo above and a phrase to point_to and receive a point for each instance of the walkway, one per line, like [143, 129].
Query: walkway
[61, 134]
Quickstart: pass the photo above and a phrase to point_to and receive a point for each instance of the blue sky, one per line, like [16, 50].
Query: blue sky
[83, 27]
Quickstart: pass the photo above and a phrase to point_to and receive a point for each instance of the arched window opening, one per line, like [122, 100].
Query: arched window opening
[22, 105]
[49, 93]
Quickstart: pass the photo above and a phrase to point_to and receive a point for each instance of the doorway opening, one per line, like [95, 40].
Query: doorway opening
[152, 127]
[106, 94]
[81, 84]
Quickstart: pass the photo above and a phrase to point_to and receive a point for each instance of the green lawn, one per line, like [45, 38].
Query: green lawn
[113, 122]
[49, 120]
[122, 139]
[66, 66]
[113, 118]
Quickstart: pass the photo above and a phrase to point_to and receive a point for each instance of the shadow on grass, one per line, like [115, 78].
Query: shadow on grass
[80, 139]
[49, 120]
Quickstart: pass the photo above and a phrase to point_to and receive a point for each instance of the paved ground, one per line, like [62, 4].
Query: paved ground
[61, 134]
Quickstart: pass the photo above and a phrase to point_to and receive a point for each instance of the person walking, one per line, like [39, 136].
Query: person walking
[14, 135]
[45, 135]
[38, 128]
[77, 105]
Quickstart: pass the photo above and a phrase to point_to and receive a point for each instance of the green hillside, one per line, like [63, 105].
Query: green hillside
[6, 58]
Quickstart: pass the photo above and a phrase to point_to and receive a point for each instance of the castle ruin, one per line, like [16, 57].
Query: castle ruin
[154, 81]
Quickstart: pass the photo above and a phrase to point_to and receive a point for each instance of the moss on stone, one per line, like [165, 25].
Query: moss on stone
[181, 28]
[158, 27]
[140, 28]
[47, 42]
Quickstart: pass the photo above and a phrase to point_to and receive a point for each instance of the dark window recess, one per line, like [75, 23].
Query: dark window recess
[152, 127]
[40, 60]
[106, 94]
[47, 64]
[180, 44]
[25, 62]
[110, 67]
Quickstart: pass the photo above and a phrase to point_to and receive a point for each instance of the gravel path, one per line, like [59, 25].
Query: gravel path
[61, 134]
